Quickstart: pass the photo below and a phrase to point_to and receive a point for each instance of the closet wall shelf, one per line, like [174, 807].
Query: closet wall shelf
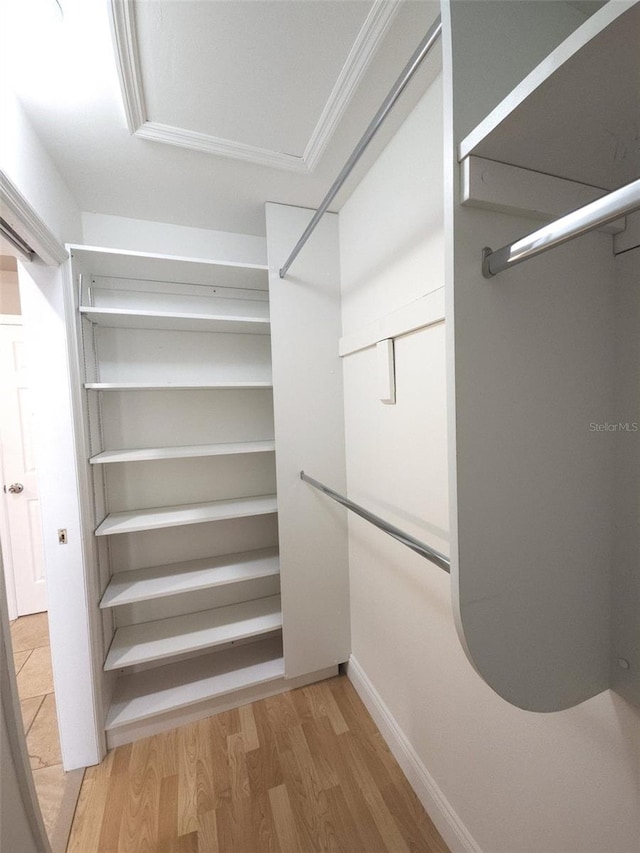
[173, 686]
[149, 266]
[178, 386]
[149, 454]
[129, 319]
[164, 638]
[536, 126]
[160, 581]
[134, 521]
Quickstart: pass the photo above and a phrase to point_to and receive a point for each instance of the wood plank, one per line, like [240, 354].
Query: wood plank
[382, 817]
[160, 581]
[208, 832]
[187, 785]
[168, 810]
[284, 820]
[264, 830]
[248, 728]
[157, 518]
[140, 817]
[148, 454]
[148, 641]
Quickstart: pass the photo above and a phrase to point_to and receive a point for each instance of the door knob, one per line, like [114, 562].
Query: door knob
[15, 488]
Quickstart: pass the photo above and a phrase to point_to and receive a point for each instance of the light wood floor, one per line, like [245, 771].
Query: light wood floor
[301, 772]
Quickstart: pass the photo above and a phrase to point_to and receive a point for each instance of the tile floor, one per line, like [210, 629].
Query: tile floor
[57, 791]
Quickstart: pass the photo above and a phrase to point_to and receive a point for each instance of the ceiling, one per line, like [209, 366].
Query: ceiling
[196, 112]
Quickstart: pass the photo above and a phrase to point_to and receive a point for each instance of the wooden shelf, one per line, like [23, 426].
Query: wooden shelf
[149, 641]
[160, 581]
[174, 686]
[177, 386]
[149, 454]
[568, 98]
[116, 318]
[176, 516]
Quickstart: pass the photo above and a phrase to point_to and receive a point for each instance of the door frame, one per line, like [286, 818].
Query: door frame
[73, 641]
[5, 530]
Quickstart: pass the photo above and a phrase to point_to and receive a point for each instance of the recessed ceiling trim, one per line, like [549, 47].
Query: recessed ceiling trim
[122, 16]
[364, 48]
[125, 40]
[214, 145]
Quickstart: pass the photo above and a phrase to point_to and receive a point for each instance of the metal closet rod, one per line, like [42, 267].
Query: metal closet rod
[421, 548]
[16, 240]
[591, 216]
[398, 88]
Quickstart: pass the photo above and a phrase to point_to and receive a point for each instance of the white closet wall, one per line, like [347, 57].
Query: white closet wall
[309, 430]
[494, 777]
[534, 366]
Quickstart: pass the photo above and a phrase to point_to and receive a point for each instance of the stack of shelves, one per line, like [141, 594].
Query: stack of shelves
[179, 431]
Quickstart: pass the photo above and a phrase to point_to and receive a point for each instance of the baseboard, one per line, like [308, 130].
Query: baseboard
[449, 825]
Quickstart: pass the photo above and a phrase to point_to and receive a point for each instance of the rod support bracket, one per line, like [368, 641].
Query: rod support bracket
[486, 254]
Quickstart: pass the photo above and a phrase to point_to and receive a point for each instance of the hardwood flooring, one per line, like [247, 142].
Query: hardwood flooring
[300, 772]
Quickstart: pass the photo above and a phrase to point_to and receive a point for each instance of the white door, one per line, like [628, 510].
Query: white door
[21, 530]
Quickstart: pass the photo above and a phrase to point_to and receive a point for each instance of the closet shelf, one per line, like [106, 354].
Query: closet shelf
[134, 521]
[160, 581]
[120, 318]
[222, 385]
[536, 126]
[147, 454]
[121, 263]
[175, 686]
[150, 641]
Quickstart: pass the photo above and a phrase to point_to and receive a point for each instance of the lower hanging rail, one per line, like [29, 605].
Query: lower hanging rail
[421, 548]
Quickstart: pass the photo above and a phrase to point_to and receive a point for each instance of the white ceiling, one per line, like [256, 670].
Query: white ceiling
[246, 63]
[231, 84]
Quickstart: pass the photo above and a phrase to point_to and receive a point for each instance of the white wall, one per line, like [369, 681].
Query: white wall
[9, 292]
[140, 235]
[42, 295]
[25, 162]
[517, 782]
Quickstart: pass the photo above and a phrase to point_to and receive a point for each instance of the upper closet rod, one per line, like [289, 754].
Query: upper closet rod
[587, 218]
[398, 88]
[16, 240]
[415, 544]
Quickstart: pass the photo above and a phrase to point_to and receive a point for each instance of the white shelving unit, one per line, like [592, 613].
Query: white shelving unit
[186, 588]
[542, 356]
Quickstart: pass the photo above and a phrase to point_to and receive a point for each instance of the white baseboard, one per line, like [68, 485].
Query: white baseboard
[449, 825]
